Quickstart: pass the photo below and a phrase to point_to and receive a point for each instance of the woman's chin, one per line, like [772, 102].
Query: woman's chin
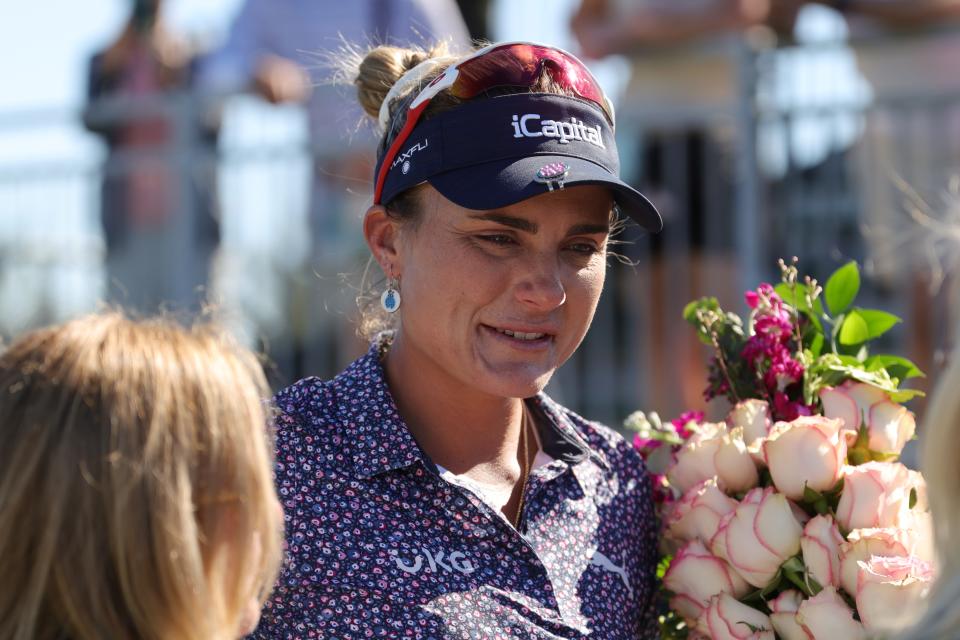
[515, 384]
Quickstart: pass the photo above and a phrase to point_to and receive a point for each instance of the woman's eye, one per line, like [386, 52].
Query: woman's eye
[586, 248]
[498, 239]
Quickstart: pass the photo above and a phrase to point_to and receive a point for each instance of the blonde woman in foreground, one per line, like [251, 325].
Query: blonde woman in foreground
[941, 448]
[136, 494]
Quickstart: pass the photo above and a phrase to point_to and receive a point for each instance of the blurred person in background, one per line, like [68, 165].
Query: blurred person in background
[282, 50]
[675, 127]
[136, 489]
[158, 215]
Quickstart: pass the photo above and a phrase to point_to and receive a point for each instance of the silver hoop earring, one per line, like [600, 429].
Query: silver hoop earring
[390, 298]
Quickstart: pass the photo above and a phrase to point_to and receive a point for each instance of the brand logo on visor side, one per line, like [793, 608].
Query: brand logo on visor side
[405, 156]
[531, 125]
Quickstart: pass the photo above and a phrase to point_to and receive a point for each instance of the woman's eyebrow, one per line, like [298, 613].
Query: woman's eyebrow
[507, 221]
[587, 229]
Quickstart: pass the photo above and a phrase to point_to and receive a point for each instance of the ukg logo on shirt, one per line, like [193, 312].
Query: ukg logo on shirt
[456, 561]
[531, 125]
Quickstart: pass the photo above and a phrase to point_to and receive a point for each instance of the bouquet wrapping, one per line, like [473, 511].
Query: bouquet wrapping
[792, 518]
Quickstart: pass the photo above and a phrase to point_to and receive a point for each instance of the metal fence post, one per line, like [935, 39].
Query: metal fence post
[747, 187]
[183, 264]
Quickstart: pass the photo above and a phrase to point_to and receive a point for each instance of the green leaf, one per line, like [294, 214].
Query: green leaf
[878, 322]
[836, 490]
[842, 288]
[854, 329]
[913, 497]
[786, 293]
[796, 297]
[793, 564]
[901, 396]
[897, 367]
[815, 587]
[811, 496]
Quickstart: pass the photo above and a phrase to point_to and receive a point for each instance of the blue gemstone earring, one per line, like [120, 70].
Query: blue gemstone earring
[390, 299]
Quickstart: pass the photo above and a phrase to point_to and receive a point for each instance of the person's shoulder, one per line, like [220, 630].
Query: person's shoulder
[314, 405]
[616, 449]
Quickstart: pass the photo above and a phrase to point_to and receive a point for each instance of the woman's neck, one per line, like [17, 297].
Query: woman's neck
[458, 426]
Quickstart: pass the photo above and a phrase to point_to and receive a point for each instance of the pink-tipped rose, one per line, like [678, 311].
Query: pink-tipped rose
[889, 425]
[876, 495]
[890, 592]
[783, 615]
[727, 619]
[826, 616]
[695, 575]
[753, 416]
[862, 544]
[759, 536]
[697, 515]
[810, 451]
[820, 544]
[713, 451]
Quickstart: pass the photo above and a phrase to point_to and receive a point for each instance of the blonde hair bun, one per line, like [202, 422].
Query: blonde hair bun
[383, 66]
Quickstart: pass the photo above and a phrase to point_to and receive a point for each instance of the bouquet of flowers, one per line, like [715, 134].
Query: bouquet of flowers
[793, 517]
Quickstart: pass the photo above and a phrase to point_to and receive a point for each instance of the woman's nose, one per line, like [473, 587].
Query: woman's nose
[541, 285]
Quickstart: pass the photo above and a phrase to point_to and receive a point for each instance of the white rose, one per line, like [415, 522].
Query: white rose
[759, 536]
[810, 451]
[753, 416]
[890, 592]
[697, 514]
[784, 615]
[826, 616]
[889, 425]
[820, 544]
[727, 619]
[695, 575]
[875, 495]
[713, 451]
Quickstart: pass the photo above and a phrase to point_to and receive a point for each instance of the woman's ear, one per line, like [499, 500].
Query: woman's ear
[382, 234]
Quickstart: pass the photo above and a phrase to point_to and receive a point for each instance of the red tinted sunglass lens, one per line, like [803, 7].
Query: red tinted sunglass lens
[520, 65]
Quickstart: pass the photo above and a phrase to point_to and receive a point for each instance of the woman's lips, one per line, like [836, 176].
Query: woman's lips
[520, 337]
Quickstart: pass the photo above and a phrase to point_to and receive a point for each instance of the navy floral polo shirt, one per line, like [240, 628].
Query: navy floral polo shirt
[379, 545]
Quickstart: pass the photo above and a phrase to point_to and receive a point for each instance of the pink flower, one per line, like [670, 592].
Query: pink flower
[826, 616]
[759, 536]
[808, 452]
[727, 619]
[784, 615]
[876, 495]
[680, 424]
[820, 544]
[695, 575]
[890, 592]
[697, 515]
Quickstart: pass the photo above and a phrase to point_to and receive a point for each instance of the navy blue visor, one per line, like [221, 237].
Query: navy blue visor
[489, 153]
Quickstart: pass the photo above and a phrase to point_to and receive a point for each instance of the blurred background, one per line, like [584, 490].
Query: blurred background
[166, 154]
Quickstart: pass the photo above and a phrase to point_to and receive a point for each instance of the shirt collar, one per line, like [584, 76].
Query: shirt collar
[380, 440]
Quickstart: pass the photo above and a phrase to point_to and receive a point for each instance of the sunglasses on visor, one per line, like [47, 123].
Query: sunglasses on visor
[509, 64]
